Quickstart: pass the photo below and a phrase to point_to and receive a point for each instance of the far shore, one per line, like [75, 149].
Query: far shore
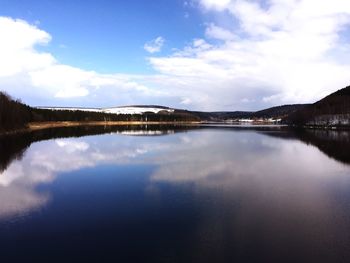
[46, 125]
[35, 126]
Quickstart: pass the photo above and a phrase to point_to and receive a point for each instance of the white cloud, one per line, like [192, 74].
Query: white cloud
[73, 146]
[17, 53]
[215, 4]
[27, 72]
[154, 45]
[40, 165]
[270, 52]
[285, 52]
[213, 31]
[64, 80]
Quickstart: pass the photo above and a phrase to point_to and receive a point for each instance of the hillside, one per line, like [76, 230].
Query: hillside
[333, 110]
[221, 115]
[277, 112]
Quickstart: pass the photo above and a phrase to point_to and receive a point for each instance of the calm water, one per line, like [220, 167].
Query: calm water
[174, 194]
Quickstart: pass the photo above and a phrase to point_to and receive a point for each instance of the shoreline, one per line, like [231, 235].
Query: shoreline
[35, 126]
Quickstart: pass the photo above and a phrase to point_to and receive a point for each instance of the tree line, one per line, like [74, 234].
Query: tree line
[13, 113]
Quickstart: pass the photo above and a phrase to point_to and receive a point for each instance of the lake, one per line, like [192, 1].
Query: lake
[175, 194]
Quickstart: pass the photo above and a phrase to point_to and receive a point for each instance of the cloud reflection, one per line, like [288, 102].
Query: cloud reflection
[44, 161]
[226, 160]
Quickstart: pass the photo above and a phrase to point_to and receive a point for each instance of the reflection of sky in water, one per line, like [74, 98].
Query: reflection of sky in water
[209, 159]
[45, 160]
[241, 182]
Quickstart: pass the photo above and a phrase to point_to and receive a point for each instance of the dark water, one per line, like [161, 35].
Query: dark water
[172, 194]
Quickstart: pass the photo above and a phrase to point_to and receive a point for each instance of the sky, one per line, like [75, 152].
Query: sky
[191, 54]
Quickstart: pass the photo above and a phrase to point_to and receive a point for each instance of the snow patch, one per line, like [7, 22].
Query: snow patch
[117, 110]
[135, 110]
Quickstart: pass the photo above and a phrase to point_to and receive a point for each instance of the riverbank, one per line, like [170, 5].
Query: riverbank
[46, 125]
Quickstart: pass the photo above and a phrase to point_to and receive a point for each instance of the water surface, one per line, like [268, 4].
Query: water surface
[172, 194]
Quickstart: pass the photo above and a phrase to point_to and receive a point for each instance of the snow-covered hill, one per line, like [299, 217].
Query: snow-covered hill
[117, 110]
[136, 110]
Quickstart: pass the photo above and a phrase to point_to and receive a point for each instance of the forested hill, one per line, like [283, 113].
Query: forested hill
[333, 110]
[277, 112]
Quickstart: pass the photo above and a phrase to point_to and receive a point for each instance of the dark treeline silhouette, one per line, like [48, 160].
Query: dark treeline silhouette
[15, 115]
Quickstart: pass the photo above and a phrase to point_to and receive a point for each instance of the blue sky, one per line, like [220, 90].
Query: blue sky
[108, 36]
[195, 54]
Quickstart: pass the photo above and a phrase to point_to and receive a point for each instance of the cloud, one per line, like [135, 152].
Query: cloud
[182, 157]
[186, 101]
[16, 47]
[218, 5]
[272, 53]
[187, 161]
[252, 54]
[29, 73]
[213, 31]
[40, 165]
[154, 45]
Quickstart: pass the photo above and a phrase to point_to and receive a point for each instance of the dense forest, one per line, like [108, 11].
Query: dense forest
[15, 115]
